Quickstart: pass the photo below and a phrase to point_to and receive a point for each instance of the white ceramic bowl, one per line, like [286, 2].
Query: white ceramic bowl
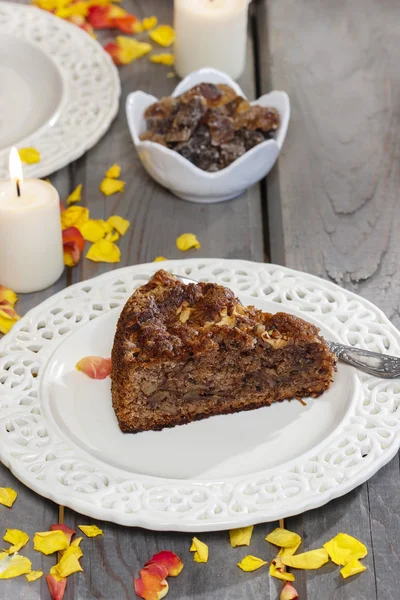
[186, 180]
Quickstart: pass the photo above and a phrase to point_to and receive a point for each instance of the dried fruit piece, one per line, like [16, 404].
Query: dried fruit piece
[73, 244]
[74, 216]
[113, 172]
[187, 241]
[91, 530]
[163, 35]
[314, 559]
[111, 186]
[67, 530]
[75, 196]
[34, 575]
[17, 538]
[119, 224]
[163, 59]
[186, 120]
[251, 563]
[56, 586]
[241, 536]
[169, 560]
[343, 548]
[7, 496]
[14, 565]
[94, 367]
[353, 567]
[200, 550]
[48, 542]
[283, 538]
[104, 251]
[150, 586]
[29, 156]
[288, 592]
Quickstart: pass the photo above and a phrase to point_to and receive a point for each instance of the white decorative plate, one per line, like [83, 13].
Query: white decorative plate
[59, 89]
[59, 435]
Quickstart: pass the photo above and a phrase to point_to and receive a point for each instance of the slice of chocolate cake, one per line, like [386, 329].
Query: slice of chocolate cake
[186, 352]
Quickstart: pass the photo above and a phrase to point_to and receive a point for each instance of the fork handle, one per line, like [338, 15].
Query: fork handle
[379, 365]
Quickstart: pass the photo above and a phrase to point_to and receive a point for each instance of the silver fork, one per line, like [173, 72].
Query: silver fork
[379, 365]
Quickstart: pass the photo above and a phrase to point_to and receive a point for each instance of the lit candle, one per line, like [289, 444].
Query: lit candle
[31, 252]
[211, 33]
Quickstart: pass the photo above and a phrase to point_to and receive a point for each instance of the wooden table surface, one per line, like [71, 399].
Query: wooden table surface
[330, 207]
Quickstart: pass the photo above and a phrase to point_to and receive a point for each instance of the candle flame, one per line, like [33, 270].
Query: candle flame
[15, 166]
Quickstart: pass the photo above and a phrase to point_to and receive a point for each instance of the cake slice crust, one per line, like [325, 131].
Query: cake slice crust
[187, 352]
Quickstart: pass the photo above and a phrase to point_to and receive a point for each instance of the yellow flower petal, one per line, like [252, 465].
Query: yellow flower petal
[290, 550]
[68, 260]
[111, 186]
[80, 9]
[94, 230]
[90, 530]
[163, 59]
[33, 575]
[69, 562]
[112, 237]
[74, 216]
[343, 548]
[8, 296]
[48, 542]
[75, 196]
[352, 568]
[251, 563]
[241, 536]
[7, 496]
[14, 566]
[314, 559]
[17, 538]
[159, 259]
[200, 550]
[283, 575]
[30, 156]
[104, 251]
[149, 23]
[163, 35]
[171, 75]
[76, 542]
[114, 172]
[6, 322]
[283, 538]
[132, 47]
[118, 223]
[186, 241]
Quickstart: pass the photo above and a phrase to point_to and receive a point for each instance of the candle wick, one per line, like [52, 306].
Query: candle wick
[18, 188]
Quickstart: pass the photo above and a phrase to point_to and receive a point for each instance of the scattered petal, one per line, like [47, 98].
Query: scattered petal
[56, 587]
[104, 251]
[118, 223]
[352, 568]
[49, 542]
[126, 24]
[169, 560]
[69, 562]
[73, 244]
[282, 574]
[94, 367]
[159, 259]
[67, 530]
[79, 9]
[95, 230]
[17, 538]
[241, 536]
[187, 241]
[7, 496]
[163, 59]
[90, 530]
[163, 35]
[112, 237]
[200, 550]
[74, 216]
[14, 565]
[251, 563]
[314, 559]
[149, 23]
[7, 296]
[76, 541]
[34, 575]
[156, 569]
[343, 548]
[111, 186]
[75, 196]
[290, 550]
[102, 17]
[8, 317]
[125, 50]
[29, 156]
[288, 592]
[149, 585]
[113, 172]
[283, 538]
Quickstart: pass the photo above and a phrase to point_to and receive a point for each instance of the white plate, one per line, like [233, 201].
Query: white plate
[59, 434]
[59, 89]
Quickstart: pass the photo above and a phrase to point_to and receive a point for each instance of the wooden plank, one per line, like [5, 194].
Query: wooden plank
[333, 211]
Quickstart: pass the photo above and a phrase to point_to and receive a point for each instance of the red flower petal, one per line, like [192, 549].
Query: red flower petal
[169, 560]
[157, 570]
[95, 367]
[73, 244]
[288, 592]
[56, 588]
[61, 527]
[149, 586]
[99, 17]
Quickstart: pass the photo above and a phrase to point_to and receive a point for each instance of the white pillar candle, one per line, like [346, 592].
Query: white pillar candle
[211, 33]
[31, 251]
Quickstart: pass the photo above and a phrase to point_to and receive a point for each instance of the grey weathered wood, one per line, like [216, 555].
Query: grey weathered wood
[333, 211]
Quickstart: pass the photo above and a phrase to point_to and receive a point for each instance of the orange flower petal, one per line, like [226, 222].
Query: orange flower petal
[73, 244]
[7, 296]
[200, 550]
[149, 585]
[157, 569]
[102, 17]
[163, 59]
[163, 35]
[61, 527]
[288, 592]
[80, 9]
[169, 560]
[30, 156]
[56, 587]
[126, 24]
[251, 563]
[104, 251]
[94, 367]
